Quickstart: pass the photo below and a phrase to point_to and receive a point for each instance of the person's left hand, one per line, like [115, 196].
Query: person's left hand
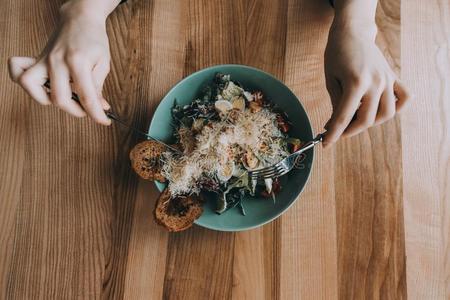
[364, 90]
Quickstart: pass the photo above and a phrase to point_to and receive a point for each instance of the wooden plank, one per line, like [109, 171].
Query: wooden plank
[147, 249]
[135, 88]
[12, 137]
[62, 200]
[200, 261]
[369, 210]
[256, 271]
[426, 147]
[308, 240]
[148, 243]
[388, 277]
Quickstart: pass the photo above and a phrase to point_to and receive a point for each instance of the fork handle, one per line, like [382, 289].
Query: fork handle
[310, 144]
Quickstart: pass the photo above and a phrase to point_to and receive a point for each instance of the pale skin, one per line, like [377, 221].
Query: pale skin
[364, 91]
[76, 57]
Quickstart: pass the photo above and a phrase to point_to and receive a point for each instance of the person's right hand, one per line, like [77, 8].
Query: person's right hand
[76, 58]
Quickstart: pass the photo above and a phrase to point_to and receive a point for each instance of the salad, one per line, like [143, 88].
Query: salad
[222, 135]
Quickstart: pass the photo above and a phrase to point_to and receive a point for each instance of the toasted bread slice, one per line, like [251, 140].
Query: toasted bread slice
[178, 213]
[145, 160]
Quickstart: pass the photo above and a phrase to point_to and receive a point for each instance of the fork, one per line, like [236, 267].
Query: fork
[113, 116]
[286, 164]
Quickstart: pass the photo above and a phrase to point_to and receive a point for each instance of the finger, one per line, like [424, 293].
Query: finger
[17, 65]
[342, 116]
[32, 81]
[61, 92]
[402, 94]
[365, 115]
[386, 109]
[83, 79]
[334, 89]
[99, 73]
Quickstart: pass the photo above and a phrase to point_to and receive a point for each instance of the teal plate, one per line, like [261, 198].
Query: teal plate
[259, 211]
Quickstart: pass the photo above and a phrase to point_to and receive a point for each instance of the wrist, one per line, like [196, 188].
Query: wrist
[94, 10]
[361, 9]
[353, 14]
[364, 28]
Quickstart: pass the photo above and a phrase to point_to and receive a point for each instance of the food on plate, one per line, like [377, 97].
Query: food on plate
[145, 160]
[177, 213]
[222, 135]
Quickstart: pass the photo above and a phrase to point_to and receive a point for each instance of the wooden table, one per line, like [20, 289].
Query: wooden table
[373, 222]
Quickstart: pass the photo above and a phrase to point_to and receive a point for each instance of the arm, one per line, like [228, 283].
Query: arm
[76, 57]
[364, 90]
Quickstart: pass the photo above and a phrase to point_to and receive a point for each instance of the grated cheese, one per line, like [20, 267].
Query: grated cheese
[223, 143]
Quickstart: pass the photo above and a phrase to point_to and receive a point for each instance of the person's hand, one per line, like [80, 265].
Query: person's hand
[76, 58]
[364, 90]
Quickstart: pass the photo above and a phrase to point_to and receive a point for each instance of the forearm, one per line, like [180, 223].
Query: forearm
[360, 11]
[98, 8]
[355, 15]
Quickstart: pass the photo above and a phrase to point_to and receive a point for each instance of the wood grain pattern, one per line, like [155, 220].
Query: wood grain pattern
[426, 148]
[369, 215]
[75, 222]
[13, 151]
[258, 251]
[308, 239]
[146, 262]
[196, 255]
[52, 250]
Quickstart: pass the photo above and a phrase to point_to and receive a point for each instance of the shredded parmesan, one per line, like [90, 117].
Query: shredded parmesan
[223, 142]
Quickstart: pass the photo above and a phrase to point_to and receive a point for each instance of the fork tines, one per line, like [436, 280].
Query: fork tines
[269, 172]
